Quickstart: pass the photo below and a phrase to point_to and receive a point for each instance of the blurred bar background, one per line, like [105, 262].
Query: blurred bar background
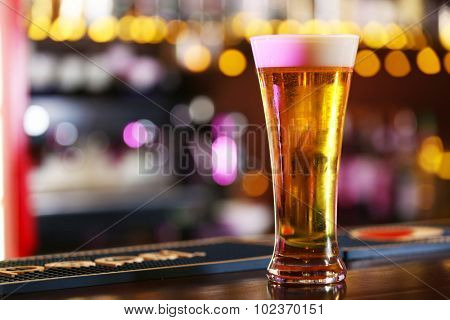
[106, 78]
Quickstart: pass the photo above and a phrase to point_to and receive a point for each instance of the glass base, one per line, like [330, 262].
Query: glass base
[287, 270]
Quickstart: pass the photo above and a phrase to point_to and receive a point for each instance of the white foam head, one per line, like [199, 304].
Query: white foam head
[305, 50]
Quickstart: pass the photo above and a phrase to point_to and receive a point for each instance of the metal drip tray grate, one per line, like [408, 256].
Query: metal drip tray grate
[214, 256]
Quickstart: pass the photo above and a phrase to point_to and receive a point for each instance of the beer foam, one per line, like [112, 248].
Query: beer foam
[305, 50]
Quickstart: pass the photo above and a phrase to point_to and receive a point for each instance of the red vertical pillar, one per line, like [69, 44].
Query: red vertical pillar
[19, 236]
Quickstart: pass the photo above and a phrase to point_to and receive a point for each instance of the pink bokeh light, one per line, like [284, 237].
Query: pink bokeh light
[135, 135]
[223, 125]
[224, 160]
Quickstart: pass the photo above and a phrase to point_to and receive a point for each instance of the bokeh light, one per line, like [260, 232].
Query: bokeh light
[151, 129]
[62, 28]
[315, 26]
[239, 120]
[39, 28]
[78, 31]
[71, 12]
[239, 23]
[120, 58]
[103, 29]
[367, 63]
[428, 61]
[374, 35]
[396, 37]
[257, 27]
[160, 29]
[255, 183]
[70, 73]
[444, 36]
[174, 29]
[444, 168]
[416, 38]
[245, 217]
[42, 70]
[212, 34]
[397, 64]
[351, 28]
[232, 62]
[180, 115]
[124, 28]
[224, 160]
[66, 134]
[430, 154]
[97, 74]
[144, 73]
[230, 125]
[143, 29]
[36, 120]
[197, 58]
[289, 26]
[135, 135]
[444, 26]
[201, 109]
[223, 125]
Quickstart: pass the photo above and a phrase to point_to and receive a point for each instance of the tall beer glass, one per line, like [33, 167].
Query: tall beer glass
[304, 82]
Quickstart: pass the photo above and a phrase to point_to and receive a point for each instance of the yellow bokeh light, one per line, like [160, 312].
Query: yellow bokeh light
[430, 154]
[428, 61]
[124, 28]
[78, 31]
[374, 35]
[255, 183]
[315, 26]
[397, 64]
[444, 167]
[39, 28]
[396, 37]
[232, 62]
[61, 29]
[420, 39]
[143, 29]
[160, 29]
[444, 36]
[447, 62]
[197, 58]
[174, 29]
[351, 28]
[41, 20]
[103, 29]
[416, 39]
[289, 26]
[258, 27]
[342, 27]
[239, 23]
[367, 63]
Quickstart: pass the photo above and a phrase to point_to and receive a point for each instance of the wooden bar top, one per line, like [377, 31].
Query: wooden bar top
[415, 277]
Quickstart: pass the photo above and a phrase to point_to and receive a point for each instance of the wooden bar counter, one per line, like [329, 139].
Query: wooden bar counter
[425, 276]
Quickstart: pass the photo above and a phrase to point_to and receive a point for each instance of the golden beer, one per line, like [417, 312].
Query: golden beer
[304, 104]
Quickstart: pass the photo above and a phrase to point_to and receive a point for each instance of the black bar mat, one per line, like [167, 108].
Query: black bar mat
[214, 256]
